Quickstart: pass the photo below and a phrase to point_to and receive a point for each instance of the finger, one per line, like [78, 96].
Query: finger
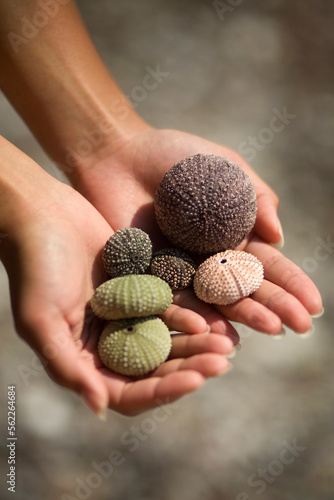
[213, 318]
[267, 224]
[133, 397]
[184, 320]
[292, 313]
[188, 345]
[284, 273]
[253, 314]
[209, 365]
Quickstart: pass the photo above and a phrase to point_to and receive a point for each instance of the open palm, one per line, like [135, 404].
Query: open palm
[54, 264]
[122, 184]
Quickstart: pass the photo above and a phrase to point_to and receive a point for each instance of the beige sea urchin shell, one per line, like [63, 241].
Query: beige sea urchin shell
[131, 296]
[134, 346]
[205, 204]
[174, 267]
[228, 276]
[128, 251]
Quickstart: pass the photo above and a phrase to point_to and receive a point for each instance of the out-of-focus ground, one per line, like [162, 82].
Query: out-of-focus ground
[228, 75]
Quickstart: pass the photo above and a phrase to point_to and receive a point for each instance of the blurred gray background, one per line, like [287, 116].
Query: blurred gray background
[230, 67]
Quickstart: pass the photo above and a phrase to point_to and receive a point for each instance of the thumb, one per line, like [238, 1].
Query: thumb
[267, 224]
[66, 364]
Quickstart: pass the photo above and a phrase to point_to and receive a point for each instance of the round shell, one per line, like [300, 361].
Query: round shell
[134, 346]
[128, 251]
[205, 204]
[174, 267]
[131, 296]
[226, 277]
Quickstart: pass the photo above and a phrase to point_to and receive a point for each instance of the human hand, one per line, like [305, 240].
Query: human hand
[53, 259]
[121, 184]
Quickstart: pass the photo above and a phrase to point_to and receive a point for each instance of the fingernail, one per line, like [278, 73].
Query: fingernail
[280, 335]
[307, 334]
[230, 367]
[232, 354]
[280, 244]
[319, 314]
[96, 404]
[102, 415]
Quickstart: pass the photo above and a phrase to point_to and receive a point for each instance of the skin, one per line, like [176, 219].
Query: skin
[53, 259]
[60, 87]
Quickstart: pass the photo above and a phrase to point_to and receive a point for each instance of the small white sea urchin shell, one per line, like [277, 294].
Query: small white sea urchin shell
[227, 277]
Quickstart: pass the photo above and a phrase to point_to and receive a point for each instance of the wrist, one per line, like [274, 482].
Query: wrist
[97, 136]
[63, 91]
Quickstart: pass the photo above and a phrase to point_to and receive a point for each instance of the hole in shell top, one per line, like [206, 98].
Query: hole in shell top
[130, 329]
[226, 277]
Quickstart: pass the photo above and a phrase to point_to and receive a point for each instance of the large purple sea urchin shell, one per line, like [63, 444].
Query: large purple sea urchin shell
[205, 204]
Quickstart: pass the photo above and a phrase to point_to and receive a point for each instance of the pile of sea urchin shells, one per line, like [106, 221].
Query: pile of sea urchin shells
[135, 341]
[204, 205]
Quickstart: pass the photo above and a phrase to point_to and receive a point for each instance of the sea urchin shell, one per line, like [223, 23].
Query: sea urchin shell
[205, 204]
[131, 296]
[134, 346]
[228, 276]
[128, 251]
[174, 267]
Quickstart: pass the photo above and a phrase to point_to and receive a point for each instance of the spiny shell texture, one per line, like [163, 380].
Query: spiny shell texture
[228, 276]
[174, 267]
[205, 204]
[128, 251]
[131, 296]
[134, 346]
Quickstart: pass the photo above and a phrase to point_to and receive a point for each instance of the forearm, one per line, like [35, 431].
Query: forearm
[58, 83]
[25, 189]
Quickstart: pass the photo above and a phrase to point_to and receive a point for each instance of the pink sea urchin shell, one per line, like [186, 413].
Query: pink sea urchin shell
[228, 276]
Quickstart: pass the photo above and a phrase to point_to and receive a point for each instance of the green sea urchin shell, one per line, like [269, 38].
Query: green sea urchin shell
[134, 346]
[228, 276]
[128, 251]
[131, 296]
[205, 204]
[174, 267]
